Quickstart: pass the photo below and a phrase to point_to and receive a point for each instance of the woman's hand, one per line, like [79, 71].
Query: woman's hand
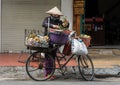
[56, 26]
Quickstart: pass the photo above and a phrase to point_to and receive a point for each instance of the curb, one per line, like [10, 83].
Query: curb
[105, 76]
[19, 73]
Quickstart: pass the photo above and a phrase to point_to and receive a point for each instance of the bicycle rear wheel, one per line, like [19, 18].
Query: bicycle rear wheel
[37, 65]
[86, 68]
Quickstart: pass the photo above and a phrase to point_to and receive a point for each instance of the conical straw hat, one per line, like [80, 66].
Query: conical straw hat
[54, 10]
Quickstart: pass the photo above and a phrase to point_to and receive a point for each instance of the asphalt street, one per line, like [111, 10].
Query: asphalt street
[61, 81]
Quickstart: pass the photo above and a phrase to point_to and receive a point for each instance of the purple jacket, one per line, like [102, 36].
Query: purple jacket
[51, 23]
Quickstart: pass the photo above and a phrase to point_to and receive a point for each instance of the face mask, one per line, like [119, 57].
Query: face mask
[55, 18]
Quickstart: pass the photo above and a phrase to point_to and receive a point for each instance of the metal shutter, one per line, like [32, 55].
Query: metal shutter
[18, 15]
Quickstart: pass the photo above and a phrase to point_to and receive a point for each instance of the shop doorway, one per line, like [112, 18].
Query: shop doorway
[94, 23]
[103, 21]
[112, 24]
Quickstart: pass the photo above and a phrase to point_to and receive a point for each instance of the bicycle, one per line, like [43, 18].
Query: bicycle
[35, 64]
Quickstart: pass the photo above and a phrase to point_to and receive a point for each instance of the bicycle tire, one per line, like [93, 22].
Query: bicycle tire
[86, 67]
[35, 66]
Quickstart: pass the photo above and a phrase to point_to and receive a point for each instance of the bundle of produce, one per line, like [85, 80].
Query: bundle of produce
[86, 39]
[65, 24]
[37, 40]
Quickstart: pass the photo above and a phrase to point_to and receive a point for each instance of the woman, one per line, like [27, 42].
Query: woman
[52, 22]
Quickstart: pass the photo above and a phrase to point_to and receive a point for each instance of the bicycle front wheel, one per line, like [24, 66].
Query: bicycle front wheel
[38, 64]
[86, 67]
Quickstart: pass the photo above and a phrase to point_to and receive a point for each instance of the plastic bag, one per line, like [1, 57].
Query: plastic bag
[78, 47]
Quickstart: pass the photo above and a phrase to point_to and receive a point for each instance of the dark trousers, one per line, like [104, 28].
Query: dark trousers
[49, 61]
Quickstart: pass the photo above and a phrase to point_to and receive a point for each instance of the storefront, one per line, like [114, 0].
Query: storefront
[18, 15]
[102, 21]
[98, 18]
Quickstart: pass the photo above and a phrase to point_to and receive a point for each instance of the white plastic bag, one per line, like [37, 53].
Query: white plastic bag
[78, 47]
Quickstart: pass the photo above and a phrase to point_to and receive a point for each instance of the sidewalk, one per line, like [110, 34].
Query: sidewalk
[106, 63]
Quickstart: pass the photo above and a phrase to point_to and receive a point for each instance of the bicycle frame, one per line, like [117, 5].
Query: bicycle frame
[66, 61]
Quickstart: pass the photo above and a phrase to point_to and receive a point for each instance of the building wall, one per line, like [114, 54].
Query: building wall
[18, 15]
[67, 10]
[0, 27]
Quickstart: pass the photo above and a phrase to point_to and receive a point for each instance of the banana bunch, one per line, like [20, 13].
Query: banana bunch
[37, 39]
[85, 36]
[32, 35]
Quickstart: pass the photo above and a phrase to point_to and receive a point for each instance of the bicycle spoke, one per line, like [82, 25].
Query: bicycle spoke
[36, 66]
[33, 70]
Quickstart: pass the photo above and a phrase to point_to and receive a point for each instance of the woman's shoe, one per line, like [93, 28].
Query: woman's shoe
[52, 77]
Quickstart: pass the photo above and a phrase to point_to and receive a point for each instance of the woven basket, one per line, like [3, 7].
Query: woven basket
[58, 37]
